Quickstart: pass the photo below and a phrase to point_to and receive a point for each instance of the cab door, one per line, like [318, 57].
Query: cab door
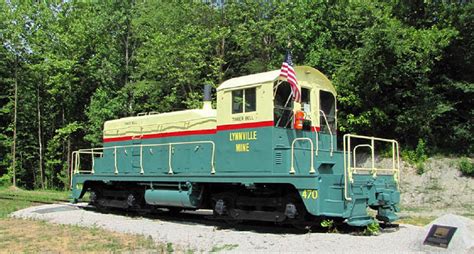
[244, 131]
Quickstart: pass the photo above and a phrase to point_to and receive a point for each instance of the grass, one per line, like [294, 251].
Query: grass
[417, 220]
[13, 199]
[224, 247]
[37, 236]
[20, 236]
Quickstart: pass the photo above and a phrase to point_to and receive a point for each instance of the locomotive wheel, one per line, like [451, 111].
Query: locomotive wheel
[94, 198]
[227, 201]
[300, 220]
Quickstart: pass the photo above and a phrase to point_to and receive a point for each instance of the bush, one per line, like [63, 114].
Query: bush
[466, 167]
[5, 180]
[372, 229]
[417, 157]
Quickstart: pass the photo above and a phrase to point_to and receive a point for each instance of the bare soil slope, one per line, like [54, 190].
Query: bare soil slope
[441, 189]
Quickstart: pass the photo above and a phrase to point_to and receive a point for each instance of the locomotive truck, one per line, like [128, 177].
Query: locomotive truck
[258, 156]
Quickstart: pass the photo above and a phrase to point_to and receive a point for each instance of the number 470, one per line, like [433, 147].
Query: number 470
[309, 194]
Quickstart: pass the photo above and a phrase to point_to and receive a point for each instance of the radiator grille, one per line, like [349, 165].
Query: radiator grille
[278, 158]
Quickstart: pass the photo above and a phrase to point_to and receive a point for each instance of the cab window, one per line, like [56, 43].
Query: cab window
[328, 112]
[306, 106]
[244, 101]
[282, 105]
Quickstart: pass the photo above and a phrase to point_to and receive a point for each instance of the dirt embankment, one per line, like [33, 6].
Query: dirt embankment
[439, 190]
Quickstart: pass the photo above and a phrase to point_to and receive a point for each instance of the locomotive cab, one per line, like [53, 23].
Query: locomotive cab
[318, 102]
[256, 119]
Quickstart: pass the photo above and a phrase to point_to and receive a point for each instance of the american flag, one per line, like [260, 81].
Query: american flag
[288, 72]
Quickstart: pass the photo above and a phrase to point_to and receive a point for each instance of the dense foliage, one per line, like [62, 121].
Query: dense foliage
[403, 70]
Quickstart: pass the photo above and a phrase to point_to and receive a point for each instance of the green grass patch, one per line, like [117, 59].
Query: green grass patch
[417, 220]
[466, 166]
[13, 199]
[224, 247]
[413, 209]
[26, 236]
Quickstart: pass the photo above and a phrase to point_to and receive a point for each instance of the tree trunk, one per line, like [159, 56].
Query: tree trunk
[68, 163]
[127, 60]
[14, 121]
[40, 141]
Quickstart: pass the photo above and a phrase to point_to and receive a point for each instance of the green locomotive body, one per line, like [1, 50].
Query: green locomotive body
[244, 160]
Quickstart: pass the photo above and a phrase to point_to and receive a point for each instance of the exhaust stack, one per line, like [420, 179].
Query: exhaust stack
[207, 98]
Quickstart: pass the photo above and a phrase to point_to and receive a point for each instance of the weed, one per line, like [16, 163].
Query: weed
[372, 229]
[169, 248]
[466, 166]
[224, 247]
[329, 225]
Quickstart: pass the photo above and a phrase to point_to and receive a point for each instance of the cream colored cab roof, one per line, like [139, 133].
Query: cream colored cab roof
[306, 76]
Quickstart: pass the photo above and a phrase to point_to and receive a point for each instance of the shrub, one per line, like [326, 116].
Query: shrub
[466, 167]
[5, 180]
[417, 157]
[372, 229]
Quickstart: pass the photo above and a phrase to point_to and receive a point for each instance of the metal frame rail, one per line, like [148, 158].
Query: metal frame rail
[350, 169]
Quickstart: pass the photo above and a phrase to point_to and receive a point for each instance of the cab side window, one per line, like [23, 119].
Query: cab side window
[244, 101]
[328, 111]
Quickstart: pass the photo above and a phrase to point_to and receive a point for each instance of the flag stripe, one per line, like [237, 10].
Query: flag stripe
[289, 73]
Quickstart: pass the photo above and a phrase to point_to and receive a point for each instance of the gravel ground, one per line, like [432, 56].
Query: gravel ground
[193, 231]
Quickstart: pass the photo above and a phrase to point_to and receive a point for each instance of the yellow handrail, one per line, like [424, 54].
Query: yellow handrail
[100, 151]
[349, 169]
[292, 169]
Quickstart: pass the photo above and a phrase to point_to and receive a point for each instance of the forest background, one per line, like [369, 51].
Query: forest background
[402, 69]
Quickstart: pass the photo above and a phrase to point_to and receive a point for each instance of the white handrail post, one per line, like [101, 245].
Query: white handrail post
[92, 155]
[393, 159]
[349, 168]
[372, 143]
[317, 140]
[398, 164]
[312, 171]
[213, 170]
[73, 165]
[115, 160]
[330, 132]
[141, 160]
[347, 159]
[292, 169]
[170, 171]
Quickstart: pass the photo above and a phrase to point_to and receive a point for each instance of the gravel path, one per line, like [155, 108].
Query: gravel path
[202, 236]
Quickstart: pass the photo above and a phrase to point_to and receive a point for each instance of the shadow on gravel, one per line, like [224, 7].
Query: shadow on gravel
[205, 218]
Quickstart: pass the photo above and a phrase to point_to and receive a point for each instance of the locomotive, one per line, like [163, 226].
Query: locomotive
[258, 156]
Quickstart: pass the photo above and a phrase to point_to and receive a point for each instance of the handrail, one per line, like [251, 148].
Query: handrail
[330, 132]
[355, 150]
[205, 119]
[100, 151]
[349, 169]
[292, 169]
